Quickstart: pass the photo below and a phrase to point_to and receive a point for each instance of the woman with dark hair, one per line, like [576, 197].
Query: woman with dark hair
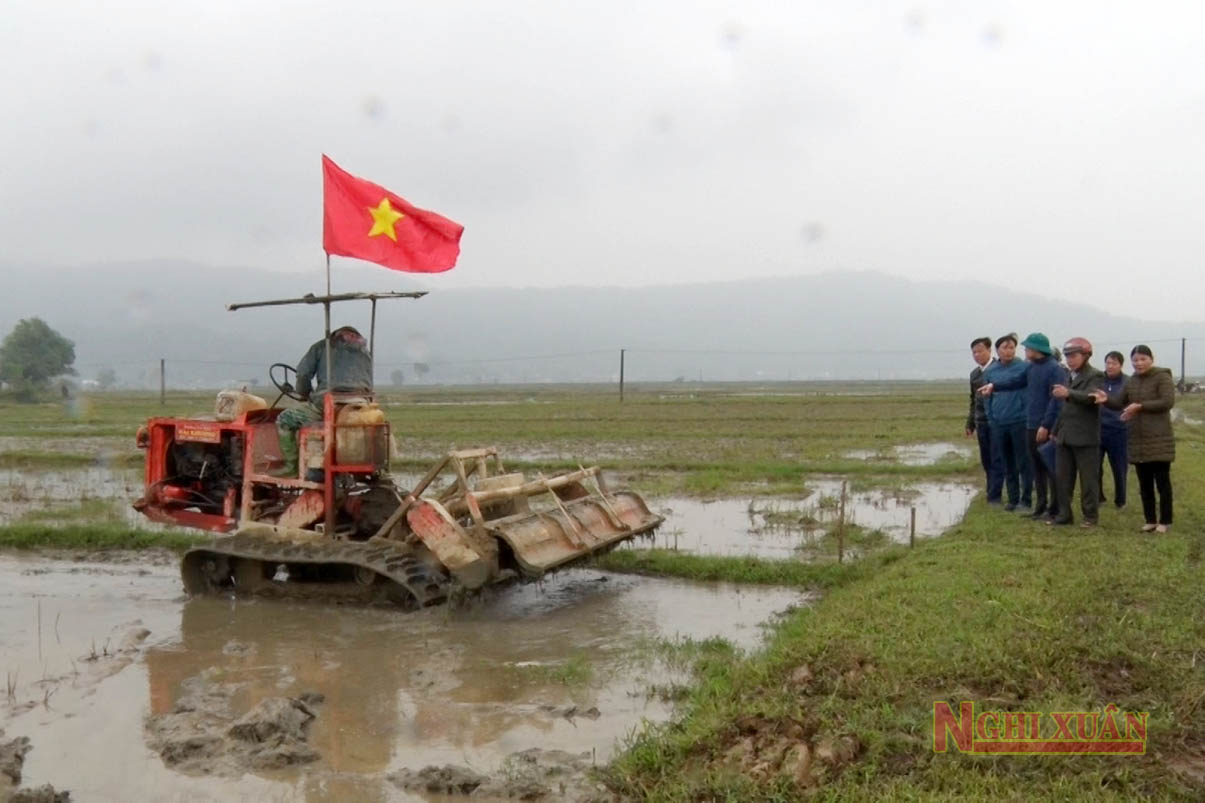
[1146, 401]
[1114, 431]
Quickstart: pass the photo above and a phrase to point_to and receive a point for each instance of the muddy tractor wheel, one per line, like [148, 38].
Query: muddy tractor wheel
[250, 574]
[204, 572]
[365, 576]
[396, 594]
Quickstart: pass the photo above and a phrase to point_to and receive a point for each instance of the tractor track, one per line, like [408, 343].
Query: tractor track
[204, 572]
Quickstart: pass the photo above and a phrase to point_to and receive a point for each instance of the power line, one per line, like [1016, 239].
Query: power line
[150, 361]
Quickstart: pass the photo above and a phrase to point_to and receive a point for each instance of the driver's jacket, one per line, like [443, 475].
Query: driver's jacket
[351, 370]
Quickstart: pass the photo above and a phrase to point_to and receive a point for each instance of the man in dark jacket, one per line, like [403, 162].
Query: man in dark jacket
[351, 372]
[1042, 373]
[981, 352]
[1077, 433]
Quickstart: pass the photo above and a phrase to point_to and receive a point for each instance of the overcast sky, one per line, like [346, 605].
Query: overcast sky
[1053, 146]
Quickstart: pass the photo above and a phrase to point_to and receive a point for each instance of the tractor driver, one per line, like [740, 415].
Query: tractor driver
[351, 372]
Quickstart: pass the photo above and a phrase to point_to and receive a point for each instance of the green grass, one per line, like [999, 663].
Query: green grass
[91, 535]
[86, 511]
[712, 441]
[31, 459]
[1003, 611]
[743, 569]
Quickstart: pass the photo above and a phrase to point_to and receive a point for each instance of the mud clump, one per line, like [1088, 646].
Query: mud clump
[275, 733]
[12, 758]
[765, 749]
[41, 794]
[446, 780]
[571, 712]
[201, 735]
[533, 774]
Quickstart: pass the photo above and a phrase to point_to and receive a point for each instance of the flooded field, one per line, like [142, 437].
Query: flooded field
[112, 655]
[100, 447]
[46, 491]
[914, 454]
[1180, 417]
[780, 528]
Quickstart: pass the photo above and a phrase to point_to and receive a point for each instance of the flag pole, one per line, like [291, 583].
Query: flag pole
[326, 306]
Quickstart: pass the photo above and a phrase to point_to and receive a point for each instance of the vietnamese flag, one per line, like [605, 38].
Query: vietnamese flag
[366, 221]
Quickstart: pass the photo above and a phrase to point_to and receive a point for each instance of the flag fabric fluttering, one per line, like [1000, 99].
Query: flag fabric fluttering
[366, 221]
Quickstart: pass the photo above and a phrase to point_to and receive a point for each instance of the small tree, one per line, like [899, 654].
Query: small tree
[32, 354]
[396, 378]
[106, 378]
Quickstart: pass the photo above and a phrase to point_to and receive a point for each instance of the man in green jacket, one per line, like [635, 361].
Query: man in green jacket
[351, 372]
[1077, 433]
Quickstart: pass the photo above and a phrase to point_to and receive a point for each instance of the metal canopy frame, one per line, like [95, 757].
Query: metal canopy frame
[326, 301]
[328, 408]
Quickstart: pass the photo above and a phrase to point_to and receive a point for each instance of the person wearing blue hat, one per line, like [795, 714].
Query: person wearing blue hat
[1042, 374]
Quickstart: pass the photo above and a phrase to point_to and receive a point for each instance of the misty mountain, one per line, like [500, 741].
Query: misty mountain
[836, 325]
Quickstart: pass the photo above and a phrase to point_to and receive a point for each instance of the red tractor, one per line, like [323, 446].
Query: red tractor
[342, 527]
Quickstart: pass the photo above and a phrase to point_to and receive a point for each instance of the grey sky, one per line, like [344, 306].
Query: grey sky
[1051, 146]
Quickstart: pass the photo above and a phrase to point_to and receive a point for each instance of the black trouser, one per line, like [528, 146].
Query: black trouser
[1151, 475]
[1008, 440]
[1084, 461]
[1045, 494]
[990, 459]
[1113, 446]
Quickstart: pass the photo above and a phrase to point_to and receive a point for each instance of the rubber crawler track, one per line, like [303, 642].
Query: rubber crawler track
[391, 560]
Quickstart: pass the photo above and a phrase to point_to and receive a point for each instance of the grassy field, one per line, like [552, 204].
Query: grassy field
[711, 440]
[1005, 612]
[1002, 611]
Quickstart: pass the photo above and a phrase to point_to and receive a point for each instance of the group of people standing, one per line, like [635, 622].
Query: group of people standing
[1054, 418]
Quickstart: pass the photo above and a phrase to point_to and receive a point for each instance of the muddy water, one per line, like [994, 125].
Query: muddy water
[758, 526]
[1180, 417]
[564, 665]
[914, 454]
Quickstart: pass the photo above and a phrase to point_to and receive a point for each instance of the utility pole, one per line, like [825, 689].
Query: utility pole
[1183, 378]
[621, 354]
[162, 381]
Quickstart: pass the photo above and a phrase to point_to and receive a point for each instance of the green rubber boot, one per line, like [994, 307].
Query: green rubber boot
[288, 450]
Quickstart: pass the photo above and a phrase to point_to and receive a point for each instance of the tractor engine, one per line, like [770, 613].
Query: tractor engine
[203, 474]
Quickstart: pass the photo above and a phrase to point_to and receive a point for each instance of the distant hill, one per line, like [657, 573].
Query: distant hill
[839, 325]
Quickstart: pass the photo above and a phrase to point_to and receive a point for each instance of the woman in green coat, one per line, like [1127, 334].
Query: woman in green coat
[1146, 402]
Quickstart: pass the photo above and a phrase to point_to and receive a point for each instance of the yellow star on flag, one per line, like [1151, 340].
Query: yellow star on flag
[383, 218]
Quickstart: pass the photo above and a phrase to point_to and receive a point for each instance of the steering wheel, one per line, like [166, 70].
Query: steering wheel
[283, 384]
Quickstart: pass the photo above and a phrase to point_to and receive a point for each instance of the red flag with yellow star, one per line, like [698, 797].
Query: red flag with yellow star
[366, 221]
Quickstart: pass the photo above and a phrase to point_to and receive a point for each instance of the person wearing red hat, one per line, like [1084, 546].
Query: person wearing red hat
[1077, 433]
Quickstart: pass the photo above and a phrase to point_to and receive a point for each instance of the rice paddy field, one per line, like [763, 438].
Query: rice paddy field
[807, 487]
